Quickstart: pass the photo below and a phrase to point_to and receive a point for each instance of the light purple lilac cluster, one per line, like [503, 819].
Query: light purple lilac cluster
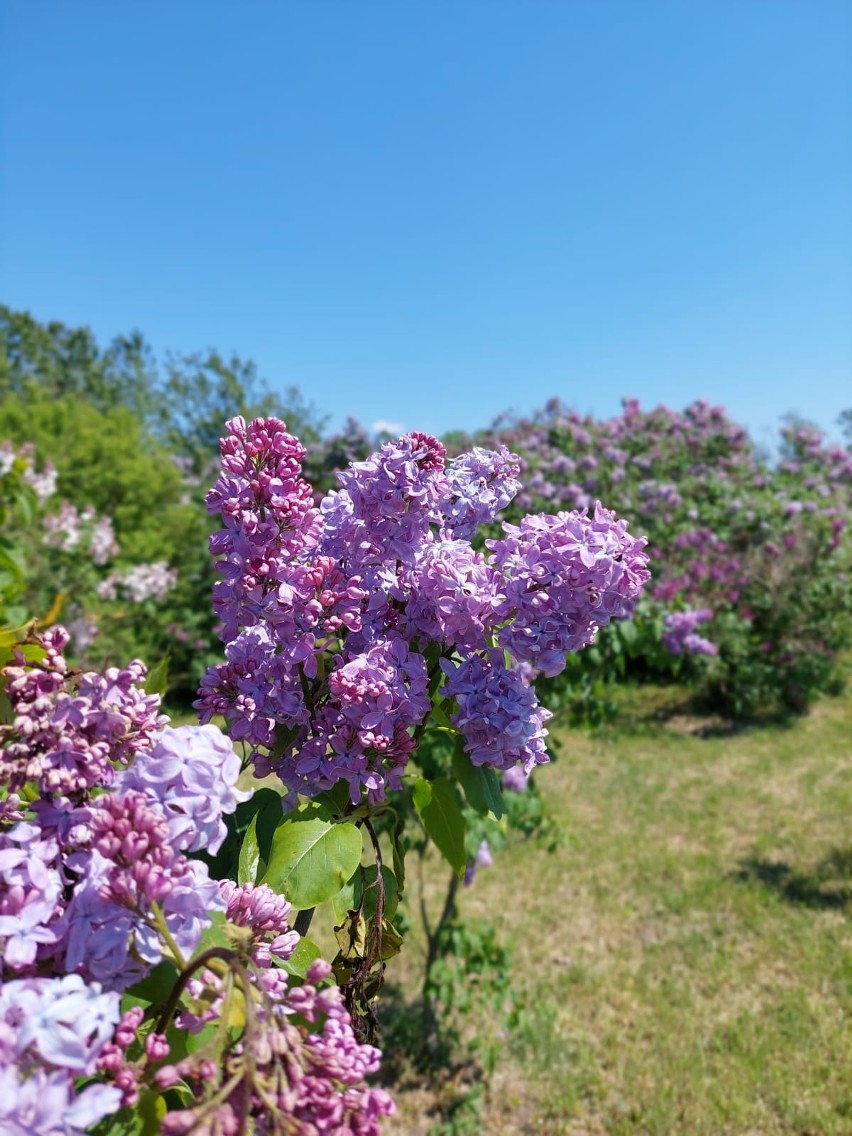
[679, 635]
[141, 582]
[568, 576]
[70, 529]
[68, 739]
[338, 617]
[96, 888]
[52, 1032]
[290, 1078]
[42, 482]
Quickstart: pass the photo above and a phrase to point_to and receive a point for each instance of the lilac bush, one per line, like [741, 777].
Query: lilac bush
[763, 545]
[147, 871]
[65, 559]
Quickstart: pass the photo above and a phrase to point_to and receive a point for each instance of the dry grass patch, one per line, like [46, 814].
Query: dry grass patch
[685, 959]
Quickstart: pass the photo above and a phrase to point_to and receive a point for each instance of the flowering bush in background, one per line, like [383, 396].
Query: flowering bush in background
[760, 549]
[59, 558]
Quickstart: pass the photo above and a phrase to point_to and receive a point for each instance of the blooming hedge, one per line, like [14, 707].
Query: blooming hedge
[758, 550]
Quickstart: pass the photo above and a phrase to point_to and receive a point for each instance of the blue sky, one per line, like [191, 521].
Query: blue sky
[429, 212]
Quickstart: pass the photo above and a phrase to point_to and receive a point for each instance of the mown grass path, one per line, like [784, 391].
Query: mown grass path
[685, 958]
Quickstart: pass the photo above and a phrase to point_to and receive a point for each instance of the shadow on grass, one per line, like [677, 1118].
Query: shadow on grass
[824, 888]
[454, 1083]
[402, 1037]
[689, 715]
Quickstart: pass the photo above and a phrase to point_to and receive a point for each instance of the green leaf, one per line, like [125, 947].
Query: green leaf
[440, 813]
[9, 636]
[361, 890]
[157, 985]
[251, 864]
[12, 558]
[257, 842]
[312, 857]
[336, 799]
[349, 896]
[204, 1037]
[479, 782]
[391, 940]
[439, 716]
[214, 935]
[158, 677]
[152, 1108]
[7, 715]
[300, 960]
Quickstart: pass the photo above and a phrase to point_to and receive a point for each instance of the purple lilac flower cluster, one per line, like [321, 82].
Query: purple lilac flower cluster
[103, 802]
[568, 575]
[294, 1079]
[70, 529]
[679, 635]
[336, 617]
[52, 1032]
[91, 878]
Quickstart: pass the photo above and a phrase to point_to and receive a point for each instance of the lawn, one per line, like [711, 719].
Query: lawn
[684, 958]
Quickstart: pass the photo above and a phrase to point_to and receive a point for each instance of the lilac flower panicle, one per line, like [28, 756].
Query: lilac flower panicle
[387, 503]
[482, 859]
[30, 897]
[268, 513]
[326, 619]
[52, 1031]
[481, 484]
[679, 633]
[516, 779]
[454, 595]
[267, 914]
[567, 575]
[139, 583]
[192, 772]
[63, 1020]
[69, 741]
[312, 1078]
[498, 714]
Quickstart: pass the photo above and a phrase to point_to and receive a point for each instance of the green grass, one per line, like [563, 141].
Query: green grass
[684, 959]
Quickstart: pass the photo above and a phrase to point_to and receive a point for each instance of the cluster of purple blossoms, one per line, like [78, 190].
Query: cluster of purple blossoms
[336, 619]
[679, 635]
[52, 1031]
[498, 713]
[141, 582]
[191, 772]
[70, 740]
[96, 888]
[69, 529]
[94, 869]
[568, 575]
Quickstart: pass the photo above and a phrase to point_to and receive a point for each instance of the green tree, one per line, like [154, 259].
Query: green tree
[204, 390]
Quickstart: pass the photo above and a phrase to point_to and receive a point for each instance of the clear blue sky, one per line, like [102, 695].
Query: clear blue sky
[425, 212]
